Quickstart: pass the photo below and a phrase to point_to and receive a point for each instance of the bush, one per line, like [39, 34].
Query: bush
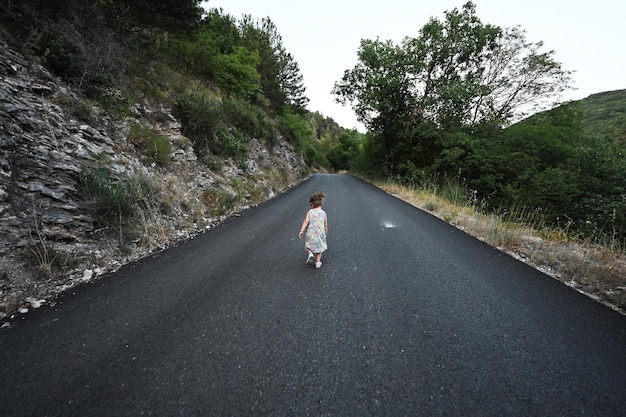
[219, 129]
[232, 142]
[251, 120]
[85, 56]
[200, 118]
[111, 199]
[196, 55]
[157, 146]
[58, 52]
[237, 74]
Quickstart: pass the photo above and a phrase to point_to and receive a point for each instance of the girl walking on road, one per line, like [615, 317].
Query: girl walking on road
[315, 228]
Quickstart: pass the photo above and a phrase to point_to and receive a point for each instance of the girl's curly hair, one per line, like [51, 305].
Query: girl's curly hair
[317, 199]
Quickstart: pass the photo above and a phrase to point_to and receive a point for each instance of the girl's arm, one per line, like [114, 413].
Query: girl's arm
[305, 223]
[326, 225]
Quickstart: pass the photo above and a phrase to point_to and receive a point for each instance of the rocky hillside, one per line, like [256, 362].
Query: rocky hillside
[52, 234]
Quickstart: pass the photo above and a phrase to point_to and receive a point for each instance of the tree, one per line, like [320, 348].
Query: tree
[517, 79]
[380, 89]
[445, 65]
[456, 74]
[236, 72]
[599, 209]
[223, 29]
[343, 155]
[169, 15]
[281, 81]
[291, 82]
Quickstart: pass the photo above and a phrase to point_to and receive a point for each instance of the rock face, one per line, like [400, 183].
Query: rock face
[49, 238]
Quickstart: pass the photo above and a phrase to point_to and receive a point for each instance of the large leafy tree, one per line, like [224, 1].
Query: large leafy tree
[455, 75]
[380, 89]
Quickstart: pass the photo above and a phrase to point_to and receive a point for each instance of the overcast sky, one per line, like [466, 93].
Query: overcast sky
[324, 35]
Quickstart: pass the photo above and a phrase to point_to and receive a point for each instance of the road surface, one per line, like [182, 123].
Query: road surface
[408, 316]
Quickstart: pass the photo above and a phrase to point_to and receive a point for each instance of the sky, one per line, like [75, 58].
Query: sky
[323, 37]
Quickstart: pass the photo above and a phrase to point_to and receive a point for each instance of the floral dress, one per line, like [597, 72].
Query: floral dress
[315, 237]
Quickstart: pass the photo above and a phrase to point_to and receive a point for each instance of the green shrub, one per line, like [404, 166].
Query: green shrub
[236, 72]
[61, 54]
[213, 129]
[159, 149]
[195, 54]
[119, 106]
[251, 120]
[96, 82]
[71, 56]
[111, 199]
[232, 142]
[157, 146]
[200, 118]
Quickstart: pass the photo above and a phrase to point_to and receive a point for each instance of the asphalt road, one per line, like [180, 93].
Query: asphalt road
[407, 317]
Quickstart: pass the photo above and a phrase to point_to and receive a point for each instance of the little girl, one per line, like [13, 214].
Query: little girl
[315, 225]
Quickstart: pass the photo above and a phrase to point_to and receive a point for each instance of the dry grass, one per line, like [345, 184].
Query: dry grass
[594, 270]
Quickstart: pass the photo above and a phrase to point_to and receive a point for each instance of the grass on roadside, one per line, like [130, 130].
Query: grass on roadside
[593, 269]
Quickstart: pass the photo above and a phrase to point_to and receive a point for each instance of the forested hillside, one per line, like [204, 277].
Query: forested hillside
[574, 166]
[604, 114]
[228, 79]
[442, 106]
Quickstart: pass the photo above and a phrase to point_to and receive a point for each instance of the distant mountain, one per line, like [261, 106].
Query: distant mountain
[605, 114]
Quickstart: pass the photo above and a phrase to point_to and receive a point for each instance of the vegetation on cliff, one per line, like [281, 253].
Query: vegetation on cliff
[130, 125]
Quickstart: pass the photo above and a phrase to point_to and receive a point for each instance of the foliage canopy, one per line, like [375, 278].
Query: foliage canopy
[455, 75]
